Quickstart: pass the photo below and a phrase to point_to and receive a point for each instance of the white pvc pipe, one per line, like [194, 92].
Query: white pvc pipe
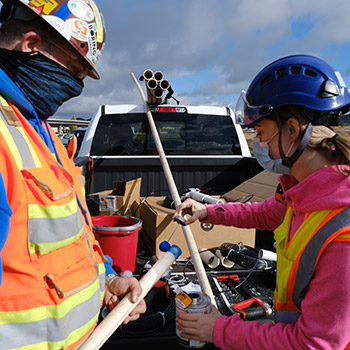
[224, 261]
[152, 84]
[191, 243]
[164, 84]
[148, 74]
[209, 258]
[115, 318]
[152, 87]
[158, 75]
[267, 255]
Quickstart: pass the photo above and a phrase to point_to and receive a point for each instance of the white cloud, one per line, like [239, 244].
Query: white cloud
[212, 49]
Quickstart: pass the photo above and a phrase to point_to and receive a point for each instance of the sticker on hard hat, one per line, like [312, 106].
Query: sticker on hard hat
[78, 29]
[93, 51]
[44, 6]
[78, 21]
[59, 25]
[99, 22]
[81, 10]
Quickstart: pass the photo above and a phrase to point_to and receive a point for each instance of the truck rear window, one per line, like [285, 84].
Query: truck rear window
[181, 134]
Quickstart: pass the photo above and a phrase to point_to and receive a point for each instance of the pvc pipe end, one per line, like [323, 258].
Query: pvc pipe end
[267, 255]
[164, 246]
[176, 250]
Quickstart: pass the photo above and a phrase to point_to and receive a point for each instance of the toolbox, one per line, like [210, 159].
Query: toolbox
[257, 284]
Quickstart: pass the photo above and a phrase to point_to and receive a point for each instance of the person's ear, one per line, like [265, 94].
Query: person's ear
[30, 42]
[293, 129]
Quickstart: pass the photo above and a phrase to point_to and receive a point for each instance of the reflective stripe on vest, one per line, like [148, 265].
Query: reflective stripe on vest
[58, 326]
[17, 144]
[51, 293]
[311, 252]
[45, 226]
[316, 232]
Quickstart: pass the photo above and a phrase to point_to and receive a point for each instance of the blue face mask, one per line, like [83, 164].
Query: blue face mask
[45, 83]
[261, 151]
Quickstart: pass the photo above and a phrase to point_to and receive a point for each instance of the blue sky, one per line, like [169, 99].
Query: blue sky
[209, 50]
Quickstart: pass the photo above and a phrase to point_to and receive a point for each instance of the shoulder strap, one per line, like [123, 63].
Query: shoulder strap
[311, 252]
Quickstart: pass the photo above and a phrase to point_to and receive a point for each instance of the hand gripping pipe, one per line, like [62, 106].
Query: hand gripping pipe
[115, 318]
[192, 247]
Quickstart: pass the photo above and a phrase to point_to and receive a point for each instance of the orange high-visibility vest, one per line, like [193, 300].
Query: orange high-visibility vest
[53, 271]
[297, 259]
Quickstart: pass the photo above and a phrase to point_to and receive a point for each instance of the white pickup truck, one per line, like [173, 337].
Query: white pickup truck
[204, 147]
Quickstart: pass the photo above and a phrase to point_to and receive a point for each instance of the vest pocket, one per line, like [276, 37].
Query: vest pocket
[70, 280]
[54, 218]
[54, 181]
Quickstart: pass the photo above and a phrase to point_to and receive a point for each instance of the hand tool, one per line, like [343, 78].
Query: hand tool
[252, 308]
[248, 309]
[227, 303]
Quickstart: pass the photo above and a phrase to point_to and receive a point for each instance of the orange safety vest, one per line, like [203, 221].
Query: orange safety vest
[53, 272]
[297, 259]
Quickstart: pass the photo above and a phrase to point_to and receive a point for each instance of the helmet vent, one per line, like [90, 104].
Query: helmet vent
[280, 73]
[329, 89]
[295, 70]
[310, 73]
[266, 80]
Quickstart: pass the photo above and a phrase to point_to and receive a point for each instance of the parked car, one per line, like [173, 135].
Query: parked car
[203, 145]
[78, 132]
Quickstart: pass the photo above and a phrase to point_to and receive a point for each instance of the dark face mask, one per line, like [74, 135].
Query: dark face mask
[45, 83]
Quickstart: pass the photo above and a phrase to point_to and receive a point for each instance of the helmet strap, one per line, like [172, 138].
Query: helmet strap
[289, 161]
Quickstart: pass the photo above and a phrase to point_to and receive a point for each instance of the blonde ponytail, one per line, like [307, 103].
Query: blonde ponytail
[333, 143]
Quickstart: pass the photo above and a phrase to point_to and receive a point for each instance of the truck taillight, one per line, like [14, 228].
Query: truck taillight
[171, 109]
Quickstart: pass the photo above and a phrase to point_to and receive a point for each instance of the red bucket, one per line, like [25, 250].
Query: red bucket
[118, 236]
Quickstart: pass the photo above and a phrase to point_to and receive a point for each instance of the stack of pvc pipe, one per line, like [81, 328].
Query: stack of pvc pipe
[155, 85]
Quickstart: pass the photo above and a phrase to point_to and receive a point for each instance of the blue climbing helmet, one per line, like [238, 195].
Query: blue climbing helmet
[302, 80]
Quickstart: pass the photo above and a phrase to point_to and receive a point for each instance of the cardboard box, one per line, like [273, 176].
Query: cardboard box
[158, 226]
[124, 196]
[256, 189]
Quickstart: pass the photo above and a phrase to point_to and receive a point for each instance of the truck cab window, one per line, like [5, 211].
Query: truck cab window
[181, 134]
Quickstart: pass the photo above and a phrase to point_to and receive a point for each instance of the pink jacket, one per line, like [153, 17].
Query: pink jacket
[325, 320]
